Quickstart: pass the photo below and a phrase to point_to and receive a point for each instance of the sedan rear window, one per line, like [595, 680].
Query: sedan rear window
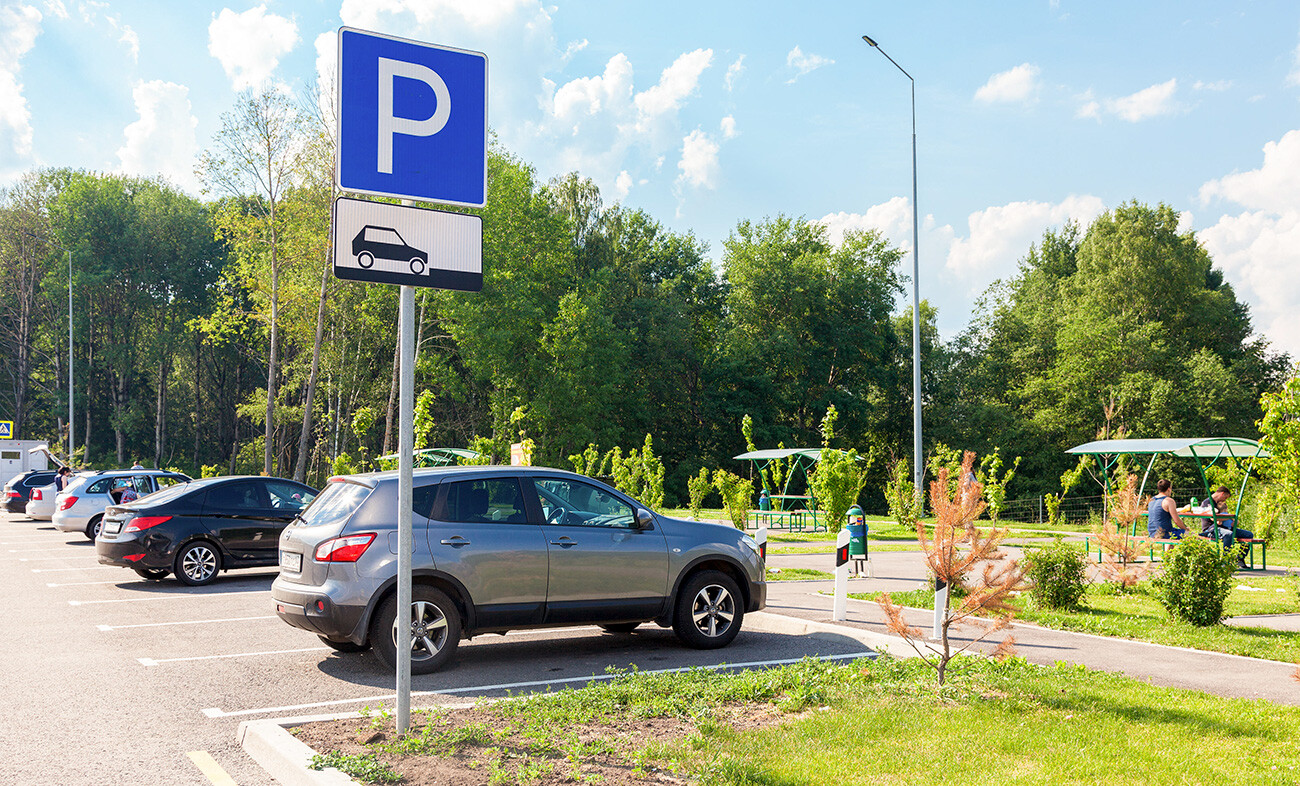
[339, 500]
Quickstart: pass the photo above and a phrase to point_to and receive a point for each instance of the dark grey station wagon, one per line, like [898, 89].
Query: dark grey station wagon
[504, 548]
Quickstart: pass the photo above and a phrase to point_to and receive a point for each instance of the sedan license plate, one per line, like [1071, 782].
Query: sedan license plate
[291, 560]
[111, 527]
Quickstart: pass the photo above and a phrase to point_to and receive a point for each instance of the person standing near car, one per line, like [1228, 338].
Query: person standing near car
[61, 479]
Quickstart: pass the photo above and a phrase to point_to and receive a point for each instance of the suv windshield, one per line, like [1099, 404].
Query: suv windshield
[339, 499]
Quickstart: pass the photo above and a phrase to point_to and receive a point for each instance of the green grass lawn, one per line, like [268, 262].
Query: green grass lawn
[1137, 615]
[867, 722]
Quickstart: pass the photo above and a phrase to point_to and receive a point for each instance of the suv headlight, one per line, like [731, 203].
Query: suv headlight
[749, 541]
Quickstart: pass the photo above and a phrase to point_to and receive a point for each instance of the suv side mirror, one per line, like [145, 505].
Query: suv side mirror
[644, 519]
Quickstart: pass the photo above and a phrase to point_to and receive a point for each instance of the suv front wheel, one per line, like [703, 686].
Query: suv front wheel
[435, 630]
[709, 611]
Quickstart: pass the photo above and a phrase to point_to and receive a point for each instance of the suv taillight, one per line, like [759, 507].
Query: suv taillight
[36, 494]
[67, 502]
[345, 549]
[13, 493]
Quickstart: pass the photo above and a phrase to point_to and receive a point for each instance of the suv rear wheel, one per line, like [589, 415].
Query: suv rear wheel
[709, 611]
[435, 630]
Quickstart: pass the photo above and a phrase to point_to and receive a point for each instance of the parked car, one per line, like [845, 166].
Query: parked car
[81, 506]
[199, 529]
[504, 548]
[40, 505]
[19, 489]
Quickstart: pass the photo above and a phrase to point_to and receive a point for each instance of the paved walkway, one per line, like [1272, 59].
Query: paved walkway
[1212, 672]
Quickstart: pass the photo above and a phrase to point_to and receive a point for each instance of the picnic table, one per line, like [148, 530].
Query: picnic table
[1210, 514]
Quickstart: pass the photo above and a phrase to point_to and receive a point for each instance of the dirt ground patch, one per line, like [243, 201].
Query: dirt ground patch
[475, 746]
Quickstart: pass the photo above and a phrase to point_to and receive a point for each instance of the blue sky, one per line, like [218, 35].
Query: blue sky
[705, 113]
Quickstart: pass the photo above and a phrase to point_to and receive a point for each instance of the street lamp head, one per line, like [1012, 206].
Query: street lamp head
[867, 38]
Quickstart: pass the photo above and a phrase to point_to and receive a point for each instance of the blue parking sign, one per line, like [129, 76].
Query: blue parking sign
[412, 119]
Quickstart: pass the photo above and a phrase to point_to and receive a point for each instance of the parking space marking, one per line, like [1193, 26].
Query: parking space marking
[168, 596]
[79, 583]
[210, 769]
[216, 712]
[51, 559]
[65, 570]
[160, 661]
[181, 622]
[41, 551]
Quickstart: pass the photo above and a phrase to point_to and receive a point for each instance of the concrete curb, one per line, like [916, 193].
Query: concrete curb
[284, 757]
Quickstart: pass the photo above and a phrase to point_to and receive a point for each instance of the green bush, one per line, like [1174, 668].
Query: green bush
[1059, 574]
[1197, 580]
[699, 488]
[736, 495]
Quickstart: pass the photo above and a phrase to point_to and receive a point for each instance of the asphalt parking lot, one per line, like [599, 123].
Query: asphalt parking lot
[115, 679]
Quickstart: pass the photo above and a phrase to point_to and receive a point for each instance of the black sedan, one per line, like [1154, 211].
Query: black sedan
[199, 529]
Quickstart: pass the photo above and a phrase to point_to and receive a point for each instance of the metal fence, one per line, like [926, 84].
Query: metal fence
[1033, 510]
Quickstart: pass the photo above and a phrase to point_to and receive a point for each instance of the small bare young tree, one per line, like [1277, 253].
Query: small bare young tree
[1120, 549]
[956, 550]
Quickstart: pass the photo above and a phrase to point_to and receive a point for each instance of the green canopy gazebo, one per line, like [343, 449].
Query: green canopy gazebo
[1206, 451]
[801, 459]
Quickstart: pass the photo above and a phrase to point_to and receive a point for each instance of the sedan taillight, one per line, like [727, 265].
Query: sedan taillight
[145, 522]
[346, 549]
[67, 502]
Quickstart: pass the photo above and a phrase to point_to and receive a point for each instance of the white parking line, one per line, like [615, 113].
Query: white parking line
[43, 551]
[65, 570]
[80, 583]
[181, 622]
[51, 559]
[167, 596]
[155, 662]
[215, 712]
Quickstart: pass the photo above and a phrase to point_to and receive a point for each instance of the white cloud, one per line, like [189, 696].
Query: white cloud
[1001, 235]
[162, 141]
[804, 64]
[479, 14]
[1089, 107]
[590, 95]
[676, 83]
[19, 26]
[1256, 249]
[249, 45]
[1019, 84]
[699, 162]
[728, 126]
[733, 73]
[1150, 102]
[1273, 187]
[1216, 87]
[622, 185]
[56, 8]
[572, 49]
[892, 218]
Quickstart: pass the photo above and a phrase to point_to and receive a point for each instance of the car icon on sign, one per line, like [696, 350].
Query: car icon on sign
[374, 242]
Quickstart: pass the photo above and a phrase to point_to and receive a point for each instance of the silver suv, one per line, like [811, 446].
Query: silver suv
[502, 548]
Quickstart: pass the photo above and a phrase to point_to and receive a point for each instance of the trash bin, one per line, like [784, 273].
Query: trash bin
[857, 533]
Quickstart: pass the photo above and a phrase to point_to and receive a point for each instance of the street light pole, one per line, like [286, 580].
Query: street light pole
[917, 476]
[940, 591]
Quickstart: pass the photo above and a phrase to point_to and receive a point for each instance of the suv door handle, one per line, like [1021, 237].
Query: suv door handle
[566, 542]
[456, 541]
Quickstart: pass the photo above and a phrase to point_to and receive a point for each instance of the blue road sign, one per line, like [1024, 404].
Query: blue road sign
[6, 429]
[412, 119]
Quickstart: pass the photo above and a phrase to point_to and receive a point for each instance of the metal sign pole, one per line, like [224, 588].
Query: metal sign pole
[405, 441]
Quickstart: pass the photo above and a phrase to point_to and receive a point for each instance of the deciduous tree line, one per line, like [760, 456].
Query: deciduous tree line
[210, 332]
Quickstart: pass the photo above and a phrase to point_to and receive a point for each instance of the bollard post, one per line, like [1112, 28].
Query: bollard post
[841, 608]
[761, 537]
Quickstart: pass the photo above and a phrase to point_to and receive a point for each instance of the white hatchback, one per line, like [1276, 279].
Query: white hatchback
[80, 508]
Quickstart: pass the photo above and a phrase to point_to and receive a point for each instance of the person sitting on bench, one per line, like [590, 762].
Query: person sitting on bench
[1163, 521]
[1224, 529]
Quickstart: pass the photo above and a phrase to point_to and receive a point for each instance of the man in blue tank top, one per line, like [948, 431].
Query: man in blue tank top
[1163, 520]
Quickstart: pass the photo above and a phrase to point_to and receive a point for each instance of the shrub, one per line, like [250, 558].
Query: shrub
[736, 495]
[1196, 581]
[1059, 574]
[900, 493]
[699, 488]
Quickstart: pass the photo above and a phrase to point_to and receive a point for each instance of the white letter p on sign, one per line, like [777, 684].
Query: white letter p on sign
[390, 125]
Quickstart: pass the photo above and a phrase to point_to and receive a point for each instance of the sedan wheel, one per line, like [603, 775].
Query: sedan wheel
[709, 611]
[198, 564]
[435, 630]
